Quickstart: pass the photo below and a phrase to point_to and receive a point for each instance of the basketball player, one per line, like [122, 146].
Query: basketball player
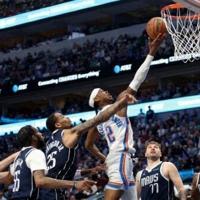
[61, 148]
[118, 133]
[196, 187]
[29, 168]
[157, 180]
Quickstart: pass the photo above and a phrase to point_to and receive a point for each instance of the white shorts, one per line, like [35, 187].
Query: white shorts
[119, 171]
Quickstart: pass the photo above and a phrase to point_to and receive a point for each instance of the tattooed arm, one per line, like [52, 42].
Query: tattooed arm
[71, 136]
[42, 181]
[103, 116]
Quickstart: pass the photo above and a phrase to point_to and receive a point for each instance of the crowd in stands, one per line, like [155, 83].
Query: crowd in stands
[89, 56]
[13, 7]
[69, 33]
[38, 40]
[71, 105]
[80, 103]
[178, 132]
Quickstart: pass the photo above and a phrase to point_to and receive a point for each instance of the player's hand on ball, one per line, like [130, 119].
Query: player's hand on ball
[155, 44]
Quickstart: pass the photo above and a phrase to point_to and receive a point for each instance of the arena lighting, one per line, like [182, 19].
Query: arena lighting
[51, 11]
[133, 110]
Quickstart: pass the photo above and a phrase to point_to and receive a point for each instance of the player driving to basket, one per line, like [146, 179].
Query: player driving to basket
[118, 133]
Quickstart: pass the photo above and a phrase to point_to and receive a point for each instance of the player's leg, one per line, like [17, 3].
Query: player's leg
[120, 173]
[113, 194]
[129, 194]
[114, 188]
[130, 191]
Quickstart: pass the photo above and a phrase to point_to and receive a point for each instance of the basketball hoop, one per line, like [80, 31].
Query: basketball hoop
[184, 27]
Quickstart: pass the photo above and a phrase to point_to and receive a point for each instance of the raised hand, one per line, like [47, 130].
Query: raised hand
[155, 44]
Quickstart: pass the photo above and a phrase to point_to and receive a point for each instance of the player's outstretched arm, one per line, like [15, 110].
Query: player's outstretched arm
[71, 136]
[143, 70]
[90, 144]
[105, 115]
[7, 161]
[176, 179]
[42, 181]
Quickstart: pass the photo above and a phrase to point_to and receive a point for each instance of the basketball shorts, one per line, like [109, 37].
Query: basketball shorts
[119, 171]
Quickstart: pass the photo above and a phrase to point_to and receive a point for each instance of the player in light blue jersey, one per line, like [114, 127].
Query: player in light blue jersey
[118, 133]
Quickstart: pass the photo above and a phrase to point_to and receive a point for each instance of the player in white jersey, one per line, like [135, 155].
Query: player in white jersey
[119, 134]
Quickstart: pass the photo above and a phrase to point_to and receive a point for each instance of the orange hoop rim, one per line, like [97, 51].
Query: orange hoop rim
[173, 6]
[177, 6]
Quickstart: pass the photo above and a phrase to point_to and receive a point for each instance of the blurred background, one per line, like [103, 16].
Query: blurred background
[53, 53]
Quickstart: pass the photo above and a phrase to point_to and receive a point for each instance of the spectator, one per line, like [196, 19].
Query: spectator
[179, 140]
[150, 115]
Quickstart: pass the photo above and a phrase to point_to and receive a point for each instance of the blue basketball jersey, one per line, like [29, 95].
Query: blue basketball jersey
[154, 186]
[24, 186]
[61, 163]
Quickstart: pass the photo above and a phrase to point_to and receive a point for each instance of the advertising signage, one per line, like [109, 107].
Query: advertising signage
[100, 73]
[51, 11]
[64, 79]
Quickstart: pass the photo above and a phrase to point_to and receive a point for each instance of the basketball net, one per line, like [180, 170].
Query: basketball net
[184, 27]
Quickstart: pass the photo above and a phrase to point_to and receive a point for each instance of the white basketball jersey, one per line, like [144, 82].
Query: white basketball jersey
[118, 133]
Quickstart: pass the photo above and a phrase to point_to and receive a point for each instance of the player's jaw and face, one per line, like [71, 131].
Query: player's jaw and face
[153, 152]
[104, 97]
[62, 122]
[39, 139]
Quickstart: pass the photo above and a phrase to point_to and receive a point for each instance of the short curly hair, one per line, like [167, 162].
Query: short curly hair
[24, 136]
[50, 123]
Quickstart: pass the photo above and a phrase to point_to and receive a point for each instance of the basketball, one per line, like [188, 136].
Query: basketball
[155, 26]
